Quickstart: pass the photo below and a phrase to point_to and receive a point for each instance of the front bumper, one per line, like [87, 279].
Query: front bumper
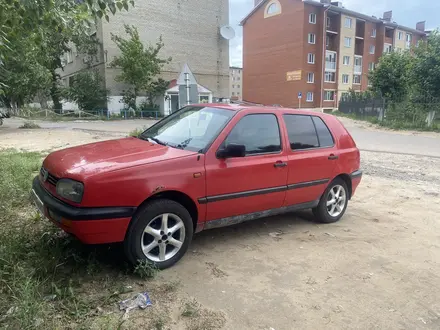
[96, 225]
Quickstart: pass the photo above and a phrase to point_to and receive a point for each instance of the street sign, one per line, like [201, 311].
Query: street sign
[300, 95]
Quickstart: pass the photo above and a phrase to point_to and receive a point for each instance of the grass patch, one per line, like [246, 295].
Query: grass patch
[49, 280]
[191, 309]
[146, 270]
[30, 125]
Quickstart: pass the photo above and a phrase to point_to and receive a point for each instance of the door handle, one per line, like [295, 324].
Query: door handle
[333, 157]
[280, 164]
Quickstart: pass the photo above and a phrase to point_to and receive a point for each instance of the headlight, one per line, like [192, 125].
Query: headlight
[70, 189]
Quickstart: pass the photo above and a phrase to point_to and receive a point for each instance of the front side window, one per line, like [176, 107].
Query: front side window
[357, 79]
[191, 128]
[345, 79]
[347, 42]
[312, 38]
[309, 97]
[311, 77]
[301, 131]
[259, 133]
[346, 60]
[348, 22]
[312, 18]
[311, 58]
[373, 33]
[372, 49]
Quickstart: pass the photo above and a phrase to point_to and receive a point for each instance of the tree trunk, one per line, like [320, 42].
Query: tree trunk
[55, 93]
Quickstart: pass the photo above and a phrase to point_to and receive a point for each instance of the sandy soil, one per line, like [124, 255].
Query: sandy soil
[378, 268]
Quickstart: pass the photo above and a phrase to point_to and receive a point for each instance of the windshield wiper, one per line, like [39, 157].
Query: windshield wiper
[156, 140]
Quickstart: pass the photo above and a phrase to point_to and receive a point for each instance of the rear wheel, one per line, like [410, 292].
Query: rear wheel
[333, 203]
[160, 233]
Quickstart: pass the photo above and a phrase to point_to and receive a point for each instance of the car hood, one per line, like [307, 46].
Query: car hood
[90, 159]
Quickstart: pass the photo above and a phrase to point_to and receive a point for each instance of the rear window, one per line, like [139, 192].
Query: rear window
[324, 136]
[307, 132]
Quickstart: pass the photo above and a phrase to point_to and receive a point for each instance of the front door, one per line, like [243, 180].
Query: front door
[249, 184]
[312, 158]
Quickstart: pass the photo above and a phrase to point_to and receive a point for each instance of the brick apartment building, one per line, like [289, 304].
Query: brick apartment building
[320, 49]
[236, 82]
[190, 32]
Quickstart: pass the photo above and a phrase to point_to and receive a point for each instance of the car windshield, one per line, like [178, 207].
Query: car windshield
[191, 128]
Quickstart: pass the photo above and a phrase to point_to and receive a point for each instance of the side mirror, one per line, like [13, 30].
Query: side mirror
[232, 151]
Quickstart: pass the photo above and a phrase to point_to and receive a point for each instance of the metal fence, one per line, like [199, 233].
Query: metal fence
[371, 107]
[65, 115]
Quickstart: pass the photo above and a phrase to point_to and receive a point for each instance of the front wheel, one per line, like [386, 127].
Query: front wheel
[333, 203]
[160, 233]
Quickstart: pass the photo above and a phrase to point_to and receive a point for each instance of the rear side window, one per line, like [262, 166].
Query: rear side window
[324, 135]
[259, 133]
[307, 132]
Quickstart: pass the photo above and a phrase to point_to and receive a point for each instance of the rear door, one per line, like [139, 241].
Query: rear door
[249, 184]
[312, 158]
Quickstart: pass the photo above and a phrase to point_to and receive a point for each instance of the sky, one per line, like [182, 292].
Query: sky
[405, 12]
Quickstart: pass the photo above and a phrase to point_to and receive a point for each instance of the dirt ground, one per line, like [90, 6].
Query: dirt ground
[378, 268]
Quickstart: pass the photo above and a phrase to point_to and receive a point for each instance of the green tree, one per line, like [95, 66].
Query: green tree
[391, 79]
[156, 88]
[139, 64]
[88, 90]
[52, 25]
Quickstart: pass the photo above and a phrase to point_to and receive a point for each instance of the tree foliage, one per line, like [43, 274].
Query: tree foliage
[34, 34]
[140, 64]
[392, 76]
[88, 90]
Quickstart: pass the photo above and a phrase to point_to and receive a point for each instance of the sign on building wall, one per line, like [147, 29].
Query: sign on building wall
[293, 75]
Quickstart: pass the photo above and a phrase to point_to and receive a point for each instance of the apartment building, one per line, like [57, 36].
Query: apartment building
[236, 82]
[190, 32]
[319, 50]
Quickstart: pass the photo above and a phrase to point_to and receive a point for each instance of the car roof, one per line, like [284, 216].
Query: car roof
[261, 109]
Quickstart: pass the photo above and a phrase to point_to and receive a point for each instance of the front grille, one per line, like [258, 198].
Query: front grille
[47, 177]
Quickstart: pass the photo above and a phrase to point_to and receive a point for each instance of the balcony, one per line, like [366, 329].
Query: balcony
[331, 42]
[360, 29]
[358, 64]
[359, 47]
[330, 61]
[332, 22]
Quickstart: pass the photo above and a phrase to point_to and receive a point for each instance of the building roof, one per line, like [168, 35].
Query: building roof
[344, 11]
[173, 87]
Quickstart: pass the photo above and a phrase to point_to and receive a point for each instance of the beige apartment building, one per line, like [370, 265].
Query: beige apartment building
[236, 83]
[191, 33]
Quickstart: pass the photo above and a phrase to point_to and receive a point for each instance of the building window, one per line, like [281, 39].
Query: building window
[398, 50]
[330, 61]
[371, 66]
[358, 64]
[347, 42]
[357, 79]
[330, 77]
[408, 40]
[329, 95]
[312, 38]
[238, 78]
[387, 48]
[233, 94]
[238, 86]
[348, 22]
[370, 84]
[273, 8]
[372, 49]
[312, 18]
[311, 58]
[309, 97]
[345, 79]
[373, 33]
[400, 35]
[310, 77]
[346, 60]
[329, 22]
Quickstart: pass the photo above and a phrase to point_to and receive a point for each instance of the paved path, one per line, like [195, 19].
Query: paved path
[367, 138]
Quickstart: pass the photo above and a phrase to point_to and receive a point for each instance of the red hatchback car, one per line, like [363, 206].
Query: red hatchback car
[204, 166]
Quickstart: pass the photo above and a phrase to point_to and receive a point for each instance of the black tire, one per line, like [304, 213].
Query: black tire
[321, 212]
[132, 243]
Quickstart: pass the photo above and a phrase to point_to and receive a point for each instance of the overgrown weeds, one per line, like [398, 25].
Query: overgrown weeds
[48, 279]
[30, 125]
[146, 270]
[137, 132]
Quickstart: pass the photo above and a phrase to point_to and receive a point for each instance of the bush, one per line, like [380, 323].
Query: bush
[29, 125]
